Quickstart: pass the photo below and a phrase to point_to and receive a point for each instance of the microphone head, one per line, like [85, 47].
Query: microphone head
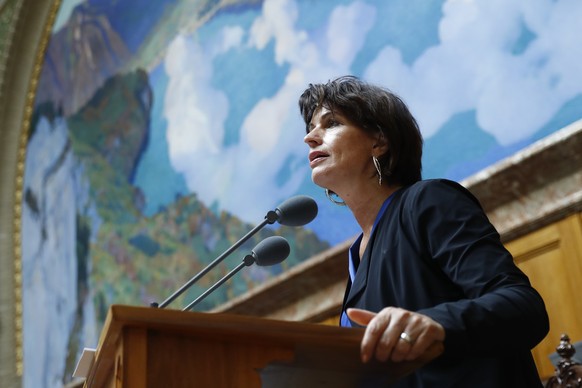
[271, 251]
[297, 211]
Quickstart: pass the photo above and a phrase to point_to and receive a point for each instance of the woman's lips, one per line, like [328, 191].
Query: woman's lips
[315, 157]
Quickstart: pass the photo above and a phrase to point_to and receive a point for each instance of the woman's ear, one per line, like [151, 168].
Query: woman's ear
[381, 144]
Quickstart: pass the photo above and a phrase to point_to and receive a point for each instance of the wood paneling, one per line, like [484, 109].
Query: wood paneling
[552, 259]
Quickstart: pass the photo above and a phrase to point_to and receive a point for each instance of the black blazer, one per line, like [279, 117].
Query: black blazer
[434, 251]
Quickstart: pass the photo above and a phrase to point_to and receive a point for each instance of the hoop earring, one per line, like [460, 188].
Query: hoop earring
[329, 194]
[378, 169]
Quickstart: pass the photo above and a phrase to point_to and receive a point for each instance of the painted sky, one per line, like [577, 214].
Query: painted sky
[513, 63]
[484, 78]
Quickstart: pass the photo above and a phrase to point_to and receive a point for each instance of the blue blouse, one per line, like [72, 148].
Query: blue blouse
[354, 256]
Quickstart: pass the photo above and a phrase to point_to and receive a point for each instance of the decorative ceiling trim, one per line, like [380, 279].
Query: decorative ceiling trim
[534, 187]
[25, 27]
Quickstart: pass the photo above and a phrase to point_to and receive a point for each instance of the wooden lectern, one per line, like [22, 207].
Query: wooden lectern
[149, 347]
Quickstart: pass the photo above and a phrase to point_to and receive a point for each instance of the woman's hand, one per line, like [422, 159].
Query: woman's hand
[395, 333]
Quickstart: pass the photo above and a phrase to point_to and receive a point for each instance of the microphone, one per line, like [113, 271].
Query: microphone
[270, 251]
[295, 211]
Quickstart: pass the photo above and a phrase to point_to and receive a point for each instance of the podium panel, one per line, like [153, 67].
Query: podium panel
[149, 347]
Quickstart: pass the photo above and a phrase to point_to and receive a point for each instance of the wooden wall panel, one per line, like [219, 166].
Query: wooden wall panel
[552, 258]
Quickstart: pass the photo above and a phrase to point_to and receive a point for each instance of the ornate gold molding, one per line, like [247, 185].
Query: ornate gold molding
[9, 11]
[28, 110]
[25, 30]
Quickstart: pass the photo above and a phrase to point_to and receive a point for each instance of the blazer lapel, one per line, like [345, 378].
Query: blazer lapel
[361, 279]
[355, 289]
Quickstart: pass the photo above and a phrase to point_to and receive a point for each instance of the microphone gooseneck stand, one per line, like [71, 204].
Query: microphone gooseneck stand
[270, 251]
[268, 220]
[295, 211]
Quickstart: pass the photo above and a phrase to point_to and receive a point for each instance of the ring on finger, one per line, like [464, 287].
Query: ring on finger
[404, 336]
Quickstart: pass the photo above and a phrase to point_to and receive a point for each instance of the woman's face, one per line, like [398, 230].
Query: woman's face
[340, 153]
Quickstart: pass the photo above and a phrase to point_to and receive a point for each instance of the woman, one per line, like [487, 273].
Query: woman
[428, 266]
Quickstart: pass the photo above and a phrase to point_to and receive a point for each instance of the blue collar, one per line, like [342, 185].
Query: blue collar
[353, 253]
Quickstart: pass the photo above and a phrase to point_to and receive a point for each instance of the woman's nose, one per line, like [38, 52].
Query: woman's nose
[311, 138]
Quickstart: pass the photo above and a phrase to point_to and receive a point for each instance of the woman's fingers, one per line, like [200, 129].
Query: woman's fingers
[395, 333]
[378, 339]
[368, 344]
[359, 316]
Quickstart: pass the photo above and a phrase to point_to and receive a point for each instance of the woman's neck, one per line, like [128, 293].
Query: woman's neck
[366, 205]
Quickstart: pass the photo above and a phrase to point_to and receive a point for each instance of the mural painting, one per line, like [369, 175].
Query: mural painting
[163, 131]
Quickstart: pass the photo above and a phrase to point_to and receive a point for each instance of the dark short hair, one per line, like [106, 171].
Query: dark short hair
[375, 110]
